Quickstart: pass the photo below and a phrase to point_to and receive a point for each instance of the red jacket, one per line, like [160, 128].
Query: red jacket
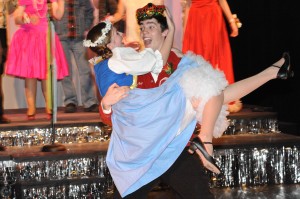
[146, 81]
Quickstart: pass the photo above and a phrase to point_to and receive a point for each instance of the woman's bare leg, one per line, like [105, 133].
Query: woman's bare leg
[210, 114]
[231, 93]
[239, 89]
[47, 103]
[243, 87]
[30, 92]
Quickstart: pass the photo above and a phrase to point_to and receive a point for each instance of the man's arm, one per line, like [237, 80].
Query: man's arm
[105, 115]
[168, 42]
[113, 95]
[127, 60]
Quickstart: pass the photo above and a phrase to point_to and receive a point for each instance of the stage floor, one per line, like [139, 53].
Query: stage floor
[291, 191]
[19, 119]
[80, 118]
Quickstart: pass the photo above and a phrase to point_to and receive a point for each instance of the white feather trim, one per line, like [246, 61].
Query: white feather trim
[204, 82]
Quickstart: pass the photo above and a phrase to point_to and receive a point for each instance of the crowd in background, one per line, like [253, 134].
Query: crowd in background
[77, 88]
[253, 30]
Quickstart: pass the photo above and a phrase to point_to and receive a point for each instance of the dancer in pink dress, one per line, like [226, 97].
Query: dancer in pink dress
[27, 56]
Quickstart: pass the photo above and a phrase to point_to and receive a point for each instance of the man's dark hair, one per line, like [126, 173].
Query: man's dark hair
[162, 20]
[151, 11]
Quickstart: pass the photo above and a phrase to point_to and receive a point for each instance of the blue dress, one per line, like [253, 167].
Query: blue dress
[151, 127]
[106, 77]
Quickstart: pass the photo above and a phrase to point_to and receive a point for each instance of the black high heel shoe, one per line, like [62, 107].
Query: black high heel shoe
[195, 144]
[285, 71]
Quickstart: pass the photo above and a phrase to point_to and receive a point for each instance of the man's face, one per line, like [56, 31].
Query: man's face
[152, 34]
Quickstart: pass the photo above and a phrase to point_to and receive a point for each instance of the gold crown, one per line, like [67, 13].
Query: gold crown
[149, 11]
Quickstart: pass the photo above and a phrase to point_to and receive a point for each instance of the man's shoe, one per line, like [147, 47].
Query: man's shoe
[93, 108]
[4, 120]
[70, 108]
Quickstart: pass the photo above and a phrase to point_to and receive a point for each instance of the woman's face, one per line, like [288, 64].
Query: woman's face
[116, 39]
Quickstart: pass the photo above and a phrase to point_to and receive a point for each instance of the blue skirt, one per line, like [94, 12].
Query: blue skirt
[151, 127]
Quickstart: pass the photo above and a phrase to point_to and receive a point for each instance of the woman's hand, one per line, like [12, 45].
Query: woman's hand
[26, 18]
[234, 29]
[34, 19]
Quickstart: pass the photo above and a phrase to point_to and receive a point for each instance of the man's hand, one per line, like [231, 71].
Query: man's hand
[195, 102]
[113, 95]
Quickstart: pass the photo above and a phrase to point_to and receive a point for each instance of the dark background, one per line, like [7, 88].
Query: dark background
[269, 28]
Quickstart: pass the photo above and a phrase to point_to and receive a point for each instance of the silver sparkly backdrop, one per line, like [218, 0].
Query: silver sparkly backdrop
[38, 171]
[253, 166]
[64, 135]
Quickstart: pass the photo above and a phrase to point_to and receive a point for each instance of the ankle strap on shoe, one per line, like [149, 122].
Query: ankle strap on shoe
[207, 142]
[276, 66]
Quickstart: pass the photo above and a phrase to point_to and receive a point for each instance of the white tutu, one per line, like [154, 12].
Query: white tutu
[205, 82]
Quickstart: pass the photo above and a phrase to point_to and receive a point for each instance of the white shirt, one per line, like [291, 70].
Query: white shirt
[127, 60]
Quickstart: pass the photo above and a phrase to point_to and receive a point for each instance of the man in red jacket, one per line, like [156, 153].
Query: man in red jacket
[186, 176]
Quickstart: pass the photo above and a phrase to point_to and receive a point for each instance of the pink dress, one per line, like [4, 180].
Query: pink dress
[206, 34]
[27, 55]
